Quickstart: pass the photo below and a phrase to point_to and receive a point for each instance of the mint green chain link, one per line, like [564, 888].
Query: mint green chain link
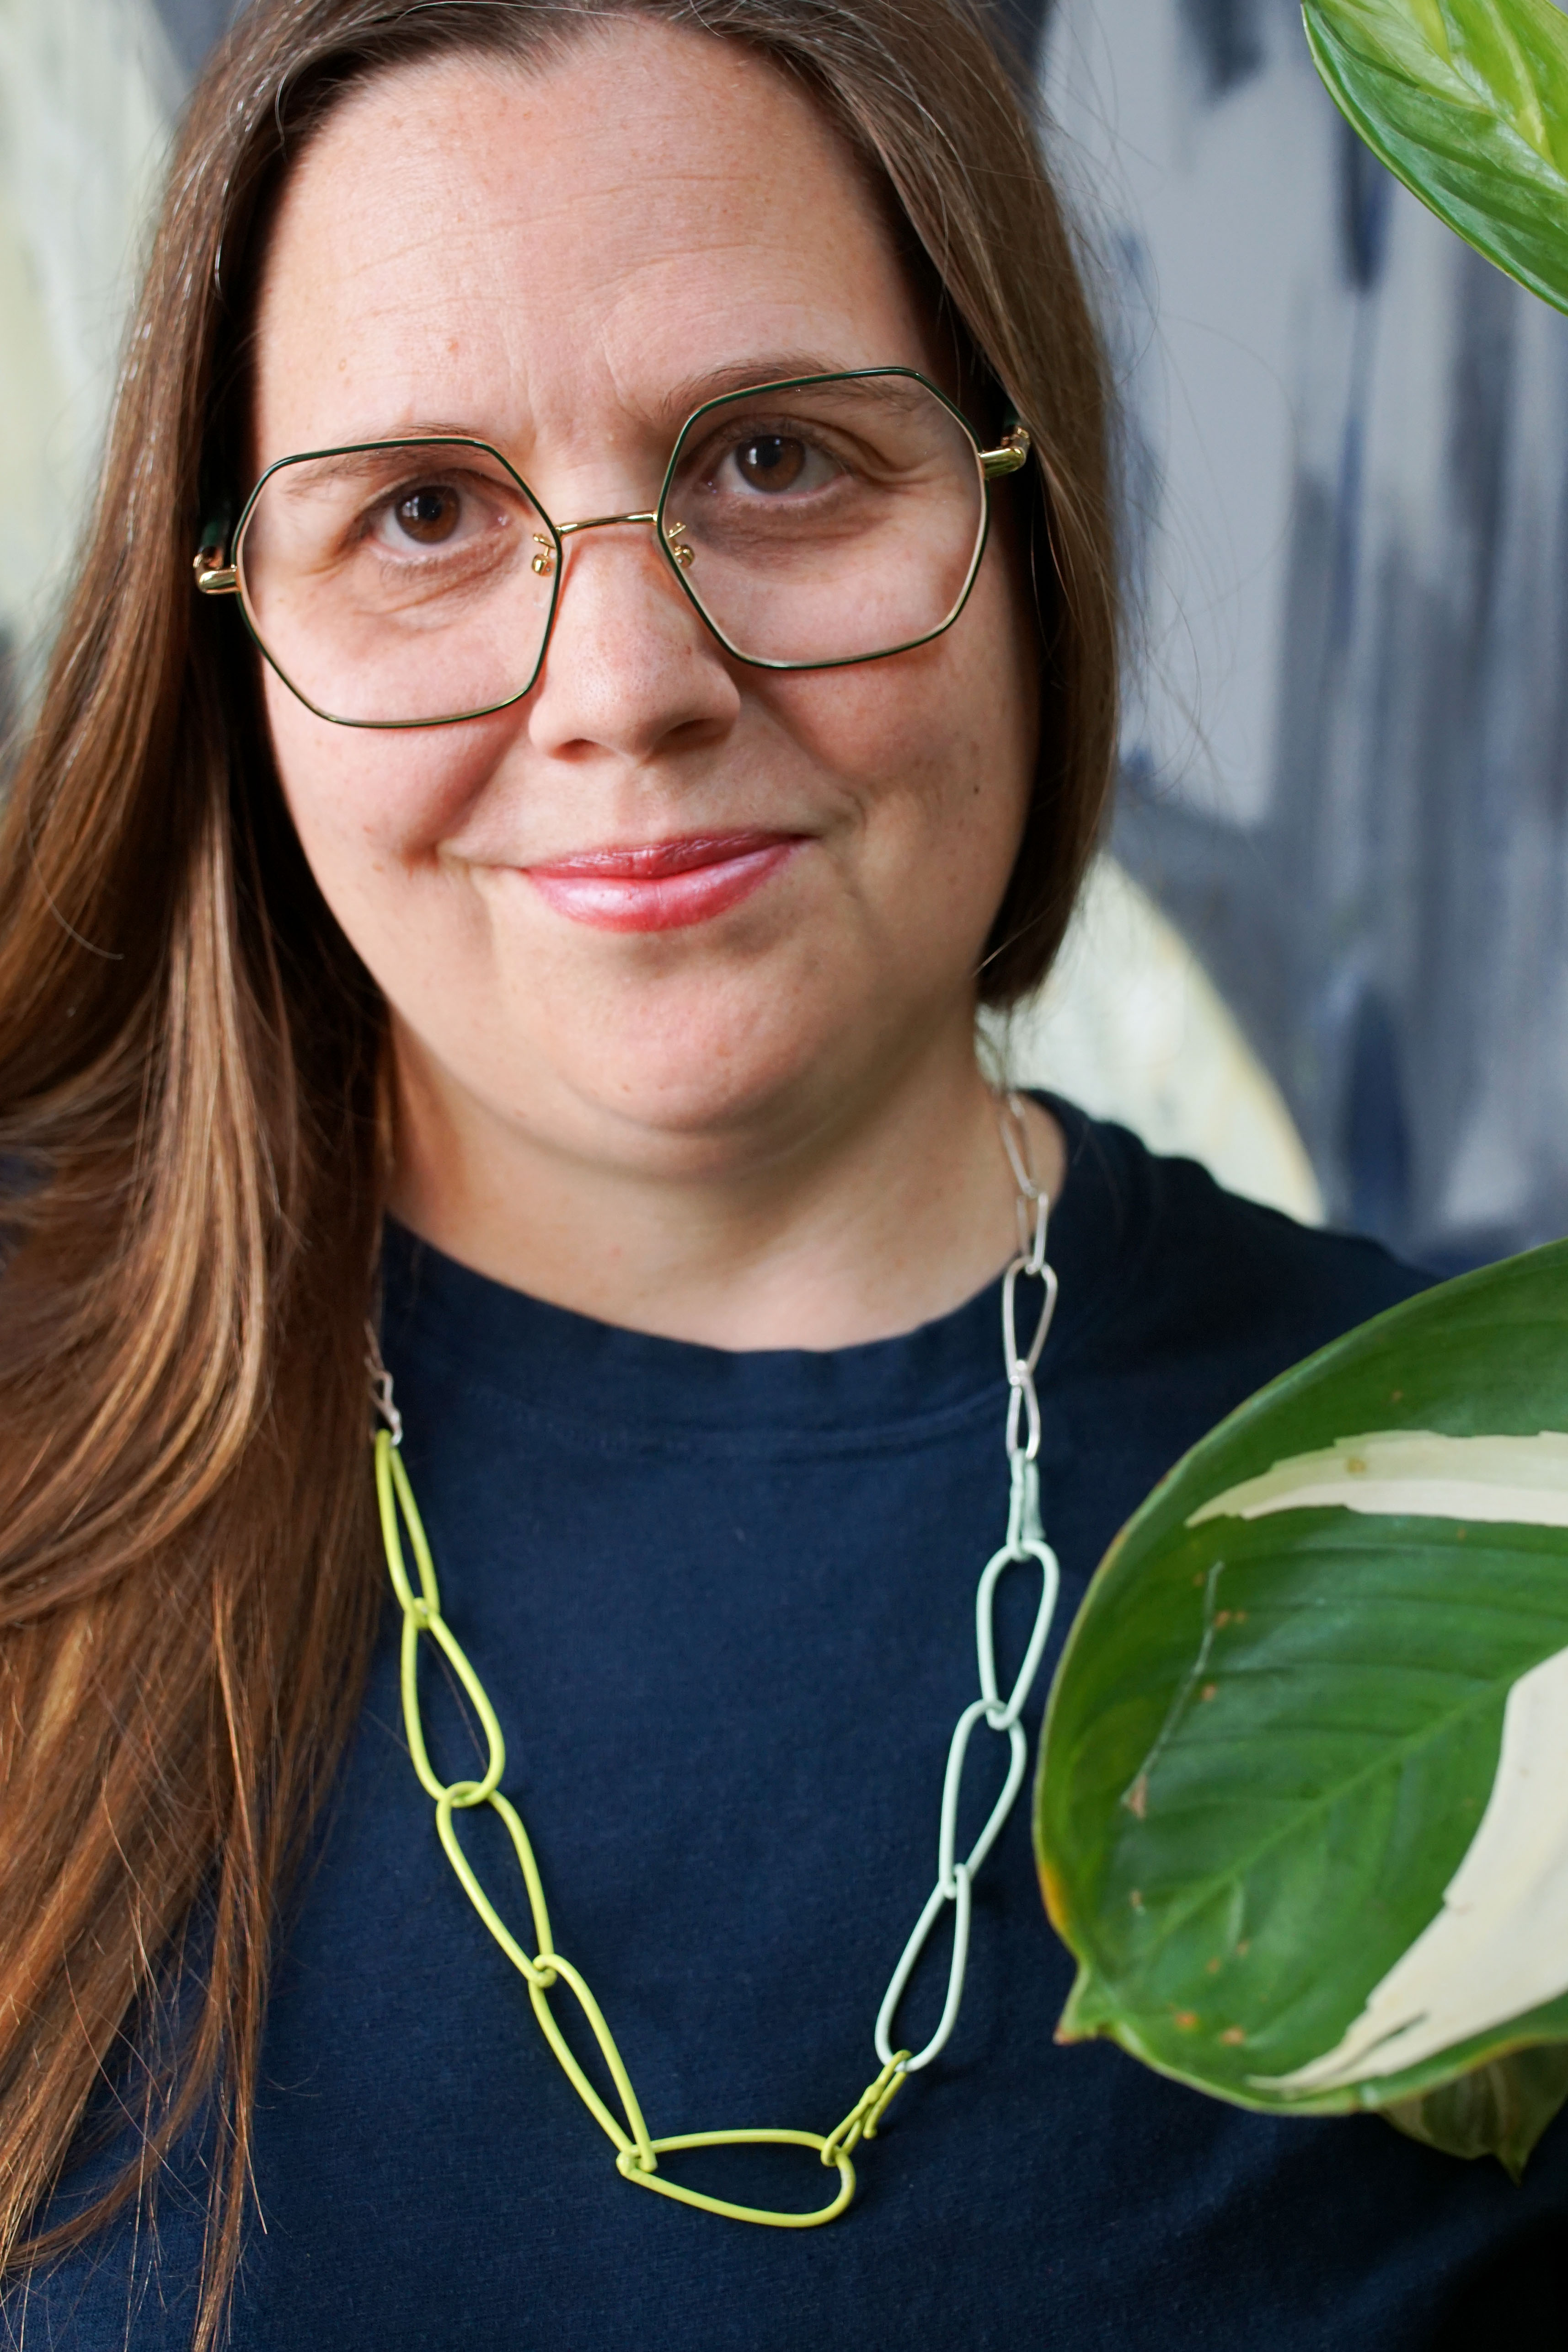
[637, 2155]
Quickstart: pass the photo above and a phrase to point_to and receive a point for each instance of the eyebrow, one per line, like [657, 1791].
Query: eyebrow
[683, 398]
[689, 392]
[767, 367]
[360, 460]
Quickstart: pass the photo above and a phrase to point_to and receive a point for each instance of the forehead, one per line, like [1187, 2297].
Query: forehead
[569, 251]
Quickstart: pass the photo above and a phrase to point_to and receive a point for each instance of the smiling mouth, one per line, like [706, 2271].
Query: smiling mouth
[661, 886]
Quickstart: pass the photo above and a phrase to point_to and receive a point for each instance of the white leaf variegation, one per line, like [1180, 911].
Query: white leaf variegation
[1498, 1946]
[1519, 1480]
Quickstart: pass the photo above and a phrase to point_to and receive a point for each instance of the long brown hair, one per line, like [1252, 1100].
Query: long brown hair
[192, 1132]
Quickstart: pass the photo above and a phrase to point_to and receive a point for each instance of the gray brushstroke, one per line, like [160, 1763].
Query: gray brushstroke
[195, 26]
[1226, 36]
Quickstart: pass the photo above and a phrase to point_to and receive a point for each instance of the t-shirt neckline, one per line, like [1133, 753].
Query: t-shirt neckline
[554, 1362]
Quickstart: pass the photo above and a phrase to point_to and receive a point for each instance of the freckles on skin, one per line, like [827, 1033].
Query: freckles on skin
[422, 279]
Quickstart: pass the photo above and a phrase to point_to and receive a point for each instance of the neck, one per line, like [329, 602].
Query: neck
[806, 1225]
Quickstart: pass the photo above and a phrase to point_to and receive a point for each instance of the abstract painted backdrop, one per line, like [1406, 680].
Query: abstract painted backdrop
[1346, 475]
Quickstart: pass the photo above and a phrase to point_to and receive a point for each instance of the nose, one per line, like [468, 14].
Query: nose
[630, 668]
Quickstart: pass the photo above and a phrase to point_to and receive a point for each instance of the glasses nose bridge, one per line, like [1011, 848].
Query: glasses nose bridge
[545, 561]
[600, 522]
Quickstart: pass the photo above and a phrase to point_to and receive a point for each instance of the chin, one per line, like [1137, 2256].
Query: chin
[706, 1079]
[686, 1100]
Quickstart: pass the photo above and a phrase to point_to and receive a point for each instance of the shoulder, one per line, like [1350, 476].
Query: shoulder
[1183, 1271]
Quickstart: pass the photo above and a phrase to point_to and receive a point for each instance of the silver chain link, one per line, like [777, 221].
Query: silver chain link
[1025, 1543]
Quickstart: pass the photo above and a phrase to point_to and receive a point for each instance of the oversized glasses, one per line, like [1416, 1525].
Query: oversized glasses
[813, 522]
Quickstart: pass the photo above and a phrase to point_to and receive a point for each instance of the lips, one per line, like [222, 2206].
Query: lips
[661, 886]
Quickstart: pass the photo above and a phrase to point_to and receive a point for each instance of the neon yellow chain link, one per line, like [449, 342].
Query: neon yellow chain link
[636, 2155]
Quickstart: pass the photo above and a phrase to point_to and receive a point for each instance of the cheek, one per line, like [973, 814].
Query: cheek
[935, 749]
[368, 803]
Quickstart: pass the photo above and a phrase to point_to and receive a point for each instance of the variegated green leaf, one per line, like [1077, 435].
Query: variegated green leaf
[1467, 103]
[1501, 2109]
[1303, 1813]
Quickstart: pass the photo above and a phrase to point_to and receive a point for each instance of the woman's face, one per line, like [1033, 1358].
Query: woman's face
[564, 264]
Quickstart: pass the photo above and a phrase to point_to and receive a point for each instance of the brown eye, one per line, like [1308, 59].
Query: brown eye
[771, 462]
[429, 514]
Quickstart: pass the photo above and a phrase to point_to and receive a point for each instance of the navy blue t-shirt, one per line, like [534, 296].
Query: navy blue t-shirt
[724, 1606]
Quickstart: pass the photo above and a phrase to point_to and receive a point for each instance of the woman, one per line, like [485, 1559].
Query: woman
[560, 941]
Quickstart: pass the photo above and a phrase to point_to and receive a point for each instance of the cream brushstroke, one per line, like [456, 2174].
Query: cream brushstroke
[1498, 1946]
[1522, 1480]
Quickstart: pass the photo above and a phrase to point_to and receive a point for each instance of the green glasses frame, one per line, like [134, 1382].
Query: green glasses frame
[215, 576]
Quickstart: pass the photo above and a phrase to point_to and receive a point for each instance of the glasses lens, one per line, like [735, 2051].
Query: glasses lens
[827, 521]
[401, 584]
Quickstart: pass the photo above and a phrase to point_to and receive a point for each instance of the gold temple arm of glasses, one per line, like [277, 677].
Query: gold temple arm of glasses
[1012, 453]
[213, 576]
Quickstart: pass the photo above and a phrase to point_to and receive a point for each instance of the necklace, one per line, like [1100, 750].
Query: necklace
[637, 2153]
